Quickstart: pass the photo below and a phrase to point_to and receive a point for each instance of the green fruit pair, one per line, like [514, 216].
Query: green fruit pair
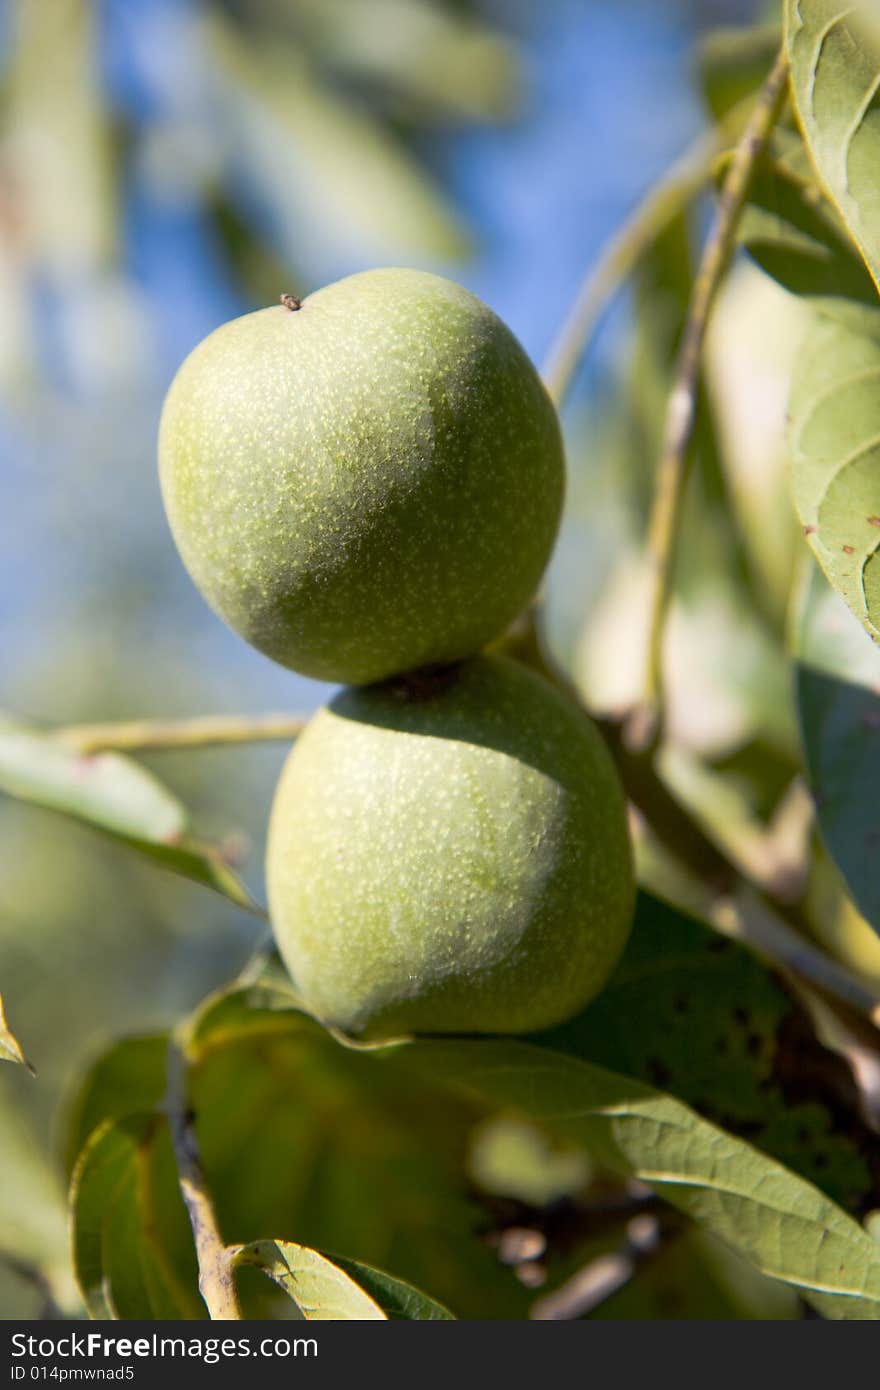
[363, 485]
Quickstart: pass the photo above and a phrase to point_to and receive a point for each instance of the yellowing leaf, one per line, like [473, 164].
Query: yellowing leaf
[320, 1290]
[10, 1048]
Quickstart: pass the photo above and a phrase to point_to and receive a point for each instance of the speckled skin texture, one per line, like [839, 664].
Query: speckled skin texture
[365, 485]
[452, 863]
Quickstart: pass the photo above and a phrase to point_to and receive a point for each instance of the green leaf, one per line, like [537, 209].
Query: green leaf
[202, 863]
[705, 1020]
[132, 1245]
[263, 996]
[128, 1078]
[786, 1227]
[113, 794]
[834, 446]
[838, 693]
[10, 1048]
[336, 1150]
[323, 1144]
[834, 52]
[396, 1298]
[733, 63]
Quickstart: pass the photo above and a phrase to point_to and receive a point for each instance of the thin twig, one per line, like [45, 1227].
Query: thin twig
[145, 735]
[216, 1266]
[682, 409]
[666, 199]
[605, 1276]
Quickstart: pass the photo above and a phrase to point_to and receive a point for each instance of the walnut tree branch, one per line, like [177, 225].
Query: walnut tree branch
[603, 1277]
[672, 473]
[204, 731]
[216, 1269]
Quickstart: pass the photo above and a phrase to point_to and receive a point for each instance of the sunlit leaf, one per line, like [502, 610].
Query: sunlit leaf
[834, 51]
[836, 921]
[838, 688]
[834, 445]
[321, 1290]
[105, 789]
[511, 1157]
[754, 332]
[786, 1227]
[264, 990]
[695, 1278]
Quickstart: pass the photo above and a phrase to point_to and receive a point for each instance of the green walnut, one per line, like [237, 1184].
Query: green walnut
[450, 861]
[367, 482]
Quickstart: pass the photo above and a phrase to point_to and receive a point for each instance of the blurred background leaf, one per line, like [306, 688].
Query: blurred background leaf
[733, 62]
[115, 795]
